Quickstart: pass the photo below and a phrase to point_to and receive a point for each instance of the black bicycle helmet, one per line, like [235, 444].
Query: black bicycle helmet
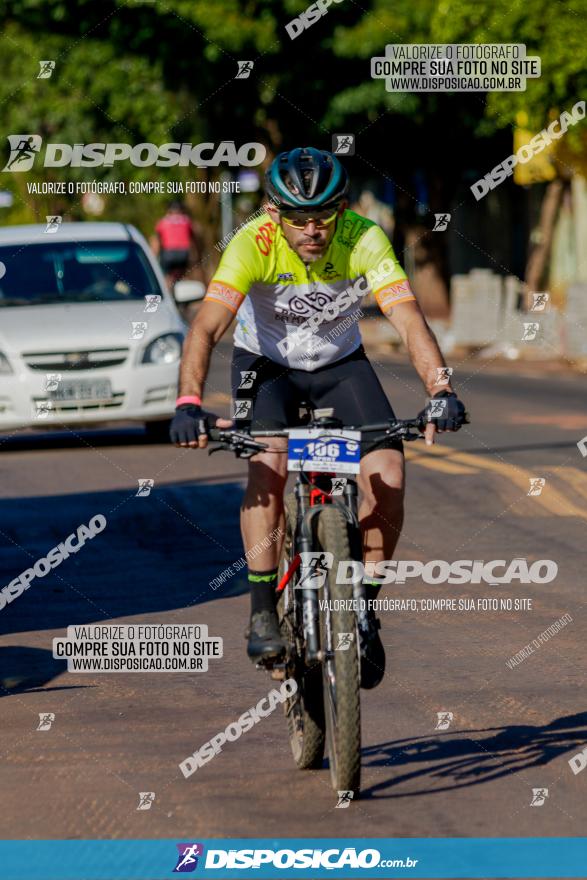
[306, 178]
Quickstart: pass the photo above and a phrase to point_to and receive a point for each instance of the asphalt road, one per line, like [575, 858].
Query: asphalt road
[115, 735]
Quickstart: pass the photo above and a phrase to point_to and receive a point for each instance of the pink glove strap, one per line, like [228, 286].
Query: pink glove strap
[194, 399]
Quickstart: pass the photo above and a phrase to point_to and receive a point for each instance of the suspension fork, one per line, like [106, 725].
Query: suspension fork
[359, 591]
[305, 543]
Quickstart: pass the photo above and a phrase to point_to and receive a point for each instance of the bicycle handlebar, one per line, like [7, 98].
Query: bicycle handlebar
[243, 444]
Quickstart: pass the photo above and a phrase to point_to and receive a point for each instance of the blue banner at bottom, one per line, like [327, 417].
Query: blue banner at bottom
[273, 859]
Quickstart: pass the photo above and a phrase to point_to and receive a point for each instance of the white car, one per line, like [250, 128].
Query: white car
[88, 330]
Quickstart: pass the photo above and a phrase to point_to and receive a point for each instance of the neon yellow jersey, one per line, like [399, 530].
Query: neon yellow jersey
[306, 315]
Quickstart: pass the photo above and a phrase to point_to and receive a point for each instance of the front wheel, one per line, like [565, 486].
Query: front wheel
[341, 671]
[305, 709]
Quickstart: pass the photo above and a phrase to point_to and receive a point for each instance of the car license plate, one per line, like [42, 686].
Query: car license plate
[331, 451]
[98, 389]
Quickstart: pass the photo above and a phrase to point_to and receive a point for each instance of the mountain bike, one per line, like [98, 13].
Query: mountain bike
[322, 618]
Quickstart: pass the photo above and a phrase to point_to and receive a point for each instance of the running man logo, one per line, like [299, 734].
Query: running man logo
[345, 640]
[530, 331]
[443, 375]
[138, 329]
[152, 302]
[539, 302]
[343, 144]
[43, 408]
[437, 409]
[52, 381]
[144, 489]
[314, 569]
[241, 409]
[146, 799]
[247, 378]
[338, 486]
[47, 68]
[23, 149]
[537, 484]
[187, 859]
[579, 761]
[46, 719]
[344, 799]
[244, 69]
[443, 720]
[54, 221]
[441, 222]
[582, 447]
[539, 795]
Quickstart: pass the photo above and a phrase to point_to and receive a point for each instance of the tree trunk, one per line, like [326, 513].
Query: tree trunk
[538, 258]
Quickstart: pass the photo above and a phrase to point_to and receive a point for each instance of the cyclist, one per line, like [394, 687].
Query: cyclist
[175, 236]
[306, 263]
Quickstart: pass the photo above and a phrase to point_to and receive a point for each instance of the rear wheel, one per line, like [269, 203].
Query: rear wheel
[305, 709]
[341, 671]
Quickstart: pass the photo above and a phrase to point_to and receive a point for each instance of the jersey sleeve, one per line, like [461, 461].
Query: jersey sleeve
[240, 266]
[374, 258]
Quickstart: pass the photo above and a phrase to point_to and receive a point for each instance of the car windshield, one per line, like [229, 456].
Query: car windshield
[74, 272]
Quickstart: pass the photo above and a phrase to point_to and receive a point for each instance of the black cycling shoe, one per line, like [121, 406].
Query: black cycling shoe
[264, 637]
[372, 653]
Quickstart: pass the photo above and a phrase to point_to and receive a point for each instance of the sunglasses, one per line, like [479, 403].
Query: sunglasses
[301, 220]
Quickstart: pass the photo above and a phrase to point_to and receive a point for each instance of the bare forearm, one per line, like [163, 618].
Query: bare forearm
[205, 332]
[425, 354]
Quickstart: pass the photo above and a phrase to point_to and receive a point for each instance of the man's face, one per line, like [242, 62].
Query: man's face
[311, 241]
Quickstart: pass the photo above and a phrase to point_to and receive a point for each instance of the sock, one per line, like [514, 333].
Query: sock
[262, 585]
[372, 586]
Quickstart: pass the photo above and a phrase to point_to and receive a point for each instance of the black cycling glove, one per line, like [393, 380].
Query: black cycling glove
[452, 415]
[188, 422]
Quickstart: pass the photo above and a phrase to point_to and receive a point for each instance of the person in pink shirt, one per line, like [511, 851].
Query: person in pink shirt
[175, 235]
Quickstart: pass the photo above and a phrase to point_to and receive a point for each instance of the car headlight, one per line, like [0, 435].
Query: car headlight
[165, 349]
[5, 364]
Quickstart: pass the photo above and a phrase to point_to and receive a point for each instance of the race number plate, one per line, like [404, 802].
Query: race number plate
[331, 451]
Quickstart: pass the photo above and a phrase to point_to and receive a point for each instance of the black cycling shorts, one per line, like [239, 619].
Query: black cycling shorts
[349, 385]
[171, 260]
